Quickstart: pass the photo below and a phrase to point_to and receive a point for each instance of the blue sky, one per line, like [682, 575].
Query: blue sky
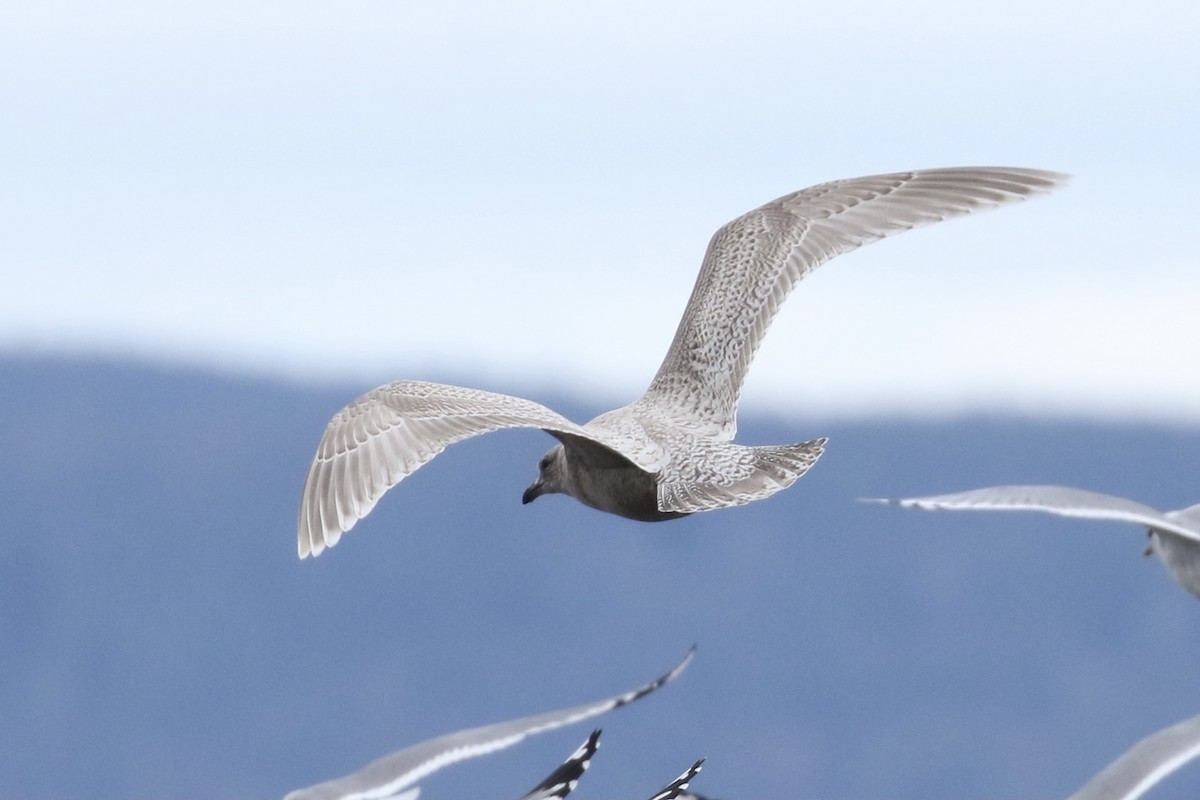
[523, 194]
[518, 197]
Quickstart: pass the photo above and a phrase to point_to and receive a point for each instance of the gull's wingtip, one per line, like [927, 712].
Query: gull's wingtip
[678, 787]
[1049, 179]
[1058, 179]
[901, 502]
[682, 665]
[660, 681]
[310, 544]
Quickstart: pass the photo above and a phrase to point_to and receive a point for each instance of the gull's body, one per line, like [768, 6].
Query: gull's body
[1174, 535]
[670, 452]
[390, 775]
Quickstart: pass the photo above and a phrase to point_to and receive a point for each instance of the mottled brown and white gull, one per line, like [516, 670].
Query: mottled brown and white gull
[1174, 535]
[670, 452]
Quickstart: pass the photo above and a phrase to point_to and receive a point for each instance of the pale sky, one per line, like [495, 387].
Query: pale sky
[520, 195]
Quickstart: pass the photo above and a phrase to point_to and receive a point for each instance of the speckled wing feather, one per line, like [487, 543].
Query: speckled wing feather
[1061, 500]
[389, 775]
[1145, 764]
[722, 474]
[563, 780]
[388, 433]
[753, 262]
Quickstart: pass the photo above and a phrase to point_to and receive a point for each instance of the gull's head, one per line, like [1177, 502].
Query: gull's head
[1180, 555]
[552, 475]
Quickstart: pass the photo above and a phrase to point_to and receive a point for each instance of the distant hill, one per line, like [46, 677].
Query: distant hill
[159, 637]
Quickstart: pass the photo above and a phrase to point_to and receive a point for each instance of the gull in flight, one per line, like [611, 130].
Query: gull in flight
[670, 452]
[394, 776]
[1174, 535]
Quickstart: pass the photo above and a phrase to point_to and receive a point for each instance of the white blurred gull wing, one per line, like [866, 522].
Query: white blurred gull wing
[1188, 517]
[563, 780]
[1061, 500]
[388, 433]
[753, 262]
[1145, 764]
[390, 774]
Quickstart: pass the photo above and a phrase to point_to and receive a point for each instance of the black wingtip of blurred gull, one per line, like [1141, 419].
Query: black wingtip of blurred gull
[562, 781]
[391, 774]
[677, 789]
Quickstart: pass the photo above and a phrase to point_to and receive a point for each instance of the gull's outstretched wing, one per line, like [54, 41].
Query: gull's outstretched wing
[1145, 764]
[1062, 500]
[677, 789]
[388, 433]
[389, 775]
[563, 780]
[753, 262]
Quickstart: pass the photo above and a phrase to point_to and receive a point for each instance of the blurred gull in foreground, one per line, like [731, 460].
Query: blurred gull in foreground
[670, 452]
[1138, 770]
[390, 775]
[1174, 535]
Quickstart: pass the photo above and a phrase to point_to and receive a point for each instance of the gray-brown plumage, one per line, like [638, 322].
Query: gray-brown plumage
[670, 452]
